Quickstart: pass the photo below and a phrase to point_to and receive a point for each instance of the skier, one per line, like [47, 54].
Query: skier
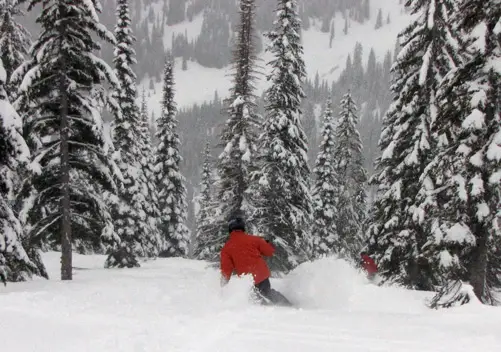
[244, 253]
[369, 265]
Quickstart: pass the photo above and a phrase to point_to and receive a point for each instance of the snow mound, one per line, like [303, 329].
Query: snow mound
[334, 284]
[328, 283]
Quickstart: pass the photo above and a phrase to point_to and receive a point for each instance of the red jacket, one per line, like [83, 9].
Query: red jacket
[244, 253]
[369, 264]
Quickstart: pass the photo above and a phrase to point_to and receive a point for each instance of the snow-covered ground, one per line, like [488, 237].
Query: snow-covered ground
[177, 305]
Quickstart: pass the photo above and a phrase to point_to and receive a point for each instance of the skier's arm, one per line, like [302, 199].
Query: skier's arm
[266, 248]
[226, 266]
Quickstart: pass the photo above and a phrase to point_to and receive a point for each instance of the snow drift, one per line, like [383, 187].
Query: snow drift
[325, 283]
[334, 284]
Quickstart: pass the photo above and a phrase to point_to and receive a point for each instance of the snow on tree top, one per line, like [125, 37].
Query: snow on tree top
[476, 120]
[459, 233]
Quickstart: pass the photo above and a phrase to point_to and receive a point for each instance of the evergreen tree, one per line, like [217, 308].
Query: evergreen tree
[283, 179]
[349, 168]
[309, 123]
[463, 195]
[169, 180]
[185, 63]
[379, 20]
[147, 162]
[130, 214]
[204, 217]
[238, 137]
[332, 34]
[326, 21]
[64, 87]
[13, 150]
[325, 238]
[367, 10]
[153, 129]
[429, 51]
[176, 12]
[14, 42]
[358, 70]
[148, 120]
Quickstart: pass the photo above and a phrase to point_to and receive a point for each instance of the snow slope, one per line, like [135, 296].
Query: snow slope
[177, 305]
[199, 83]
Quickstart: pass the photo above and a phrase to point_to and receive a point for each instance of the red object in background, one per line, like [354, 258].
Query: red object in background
[244, 254]
[369, 264]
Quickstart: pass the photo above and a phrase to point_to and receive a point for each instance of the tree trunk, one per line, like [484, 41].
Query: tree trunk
[66, 253]
[66, 250]
[478, 270]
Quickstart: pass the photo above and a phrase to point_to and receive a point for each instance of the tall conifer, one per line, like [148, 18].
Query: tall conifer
[130, 215]
[64, 85]
[351, 197]
[239, 135]
[463, 194]
[169, 180]
[14, 42]
[14, 261]
[285, 206]
[325, 236]
[429, 50]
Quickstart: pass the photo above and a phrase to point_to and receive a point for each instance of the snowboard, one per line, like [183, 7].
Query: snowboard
[279, 300]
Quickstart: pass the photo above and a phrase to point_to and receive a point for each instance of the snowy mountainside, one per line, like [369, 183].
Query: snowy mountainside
[197, 83]
[177, 305]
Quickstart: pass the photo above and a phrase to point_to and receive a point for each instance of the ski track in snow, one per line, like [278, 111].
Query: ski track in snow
[177, 305]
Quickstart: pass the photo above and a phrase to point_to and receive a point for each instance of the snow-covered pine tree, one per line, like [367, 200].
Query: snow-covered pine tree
[238, 137]
[13, 150]
[350, 195]
[205, 222]
[429, 49]
[324, 233]
[130, 213]
[64, 86]
[14, 42]
[285, 208]
[169, 180]
[465, 176]
[149, 120]
[147, 162]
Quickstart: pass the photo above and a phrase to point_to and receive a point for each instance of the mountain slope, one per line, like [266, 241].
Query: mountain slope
[198, 83]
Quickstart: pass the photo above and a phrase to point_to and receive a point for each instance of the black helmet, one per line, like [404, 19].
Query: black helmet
[236, 223]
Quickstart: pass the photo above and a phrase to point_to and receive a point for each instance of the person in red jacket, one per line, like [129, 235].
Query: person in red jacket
[369, 265]
[243, 254]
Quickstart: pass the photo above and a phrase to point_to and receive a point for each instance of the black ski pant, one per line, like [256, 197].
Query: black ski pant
[275, 297]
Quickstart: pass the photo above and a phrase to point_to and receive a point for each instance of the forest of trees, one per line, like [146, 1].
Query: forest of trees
[291, 161]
